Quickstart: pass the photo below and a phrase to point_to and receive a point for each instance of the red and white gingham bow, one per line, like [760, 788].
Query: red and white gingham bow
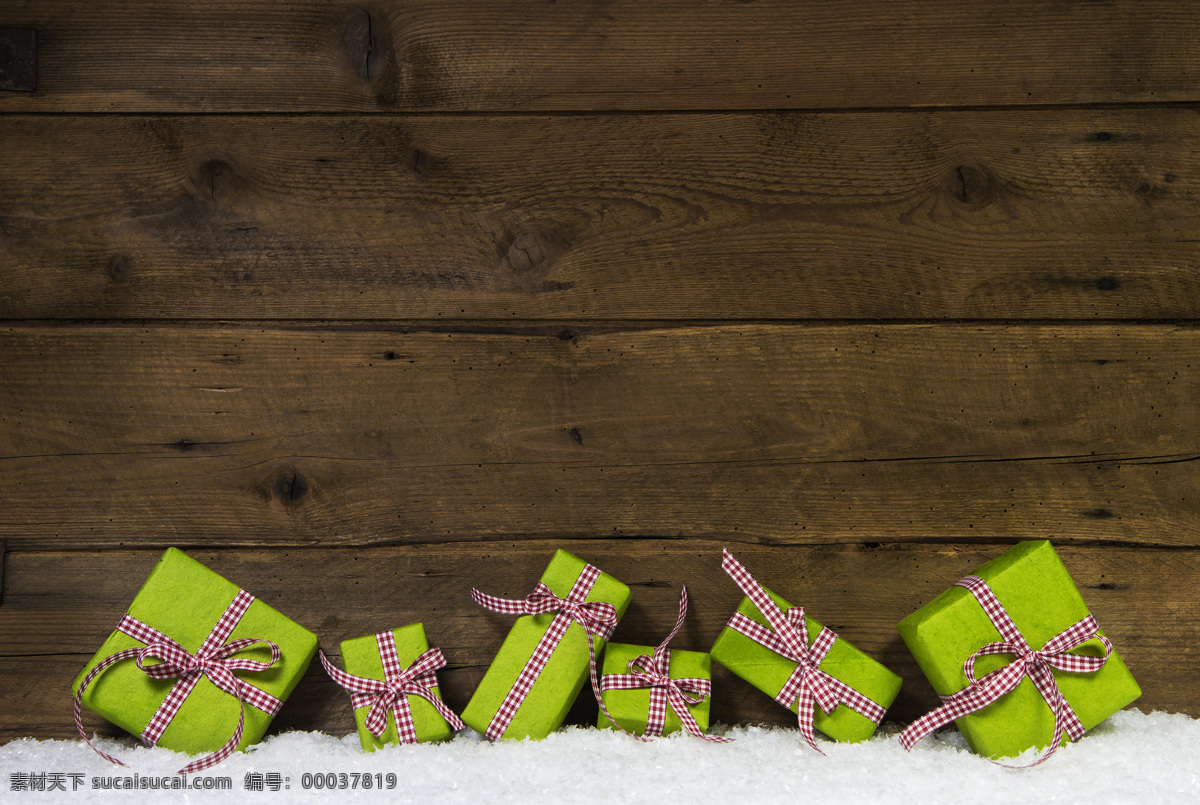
[787, 636]
[391, 693]
[214, 659]
[597, 618]
[979, 693]
[654, 672]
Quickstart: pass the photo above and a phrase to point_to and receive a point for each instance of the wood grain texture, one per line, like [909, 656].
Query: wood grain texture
[495, 55]
[1052, 214]
[366, 304]
[215, 436]
[61, 605]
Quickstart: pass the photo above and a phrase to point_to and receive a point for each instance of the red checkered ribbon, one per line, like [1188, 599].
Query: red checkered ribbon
[654, 672]
[214, 659]
[808, 686]
[597, 618]
[1036, 665]
[391, 693]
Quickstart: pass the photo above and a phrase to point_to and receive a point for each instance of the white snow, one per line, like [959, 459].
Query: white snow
[1133, 757]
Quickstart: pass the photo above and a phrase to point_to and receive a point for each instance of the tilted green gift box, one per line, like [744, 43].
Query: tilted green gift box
[184, 600]
[565, 672]
[768, 671]
[1037, 591]
[631, 708]
[360, 657]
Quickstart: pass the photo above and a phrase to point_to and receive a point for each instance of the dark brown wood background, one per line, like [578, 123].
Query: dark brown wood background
[367, 304]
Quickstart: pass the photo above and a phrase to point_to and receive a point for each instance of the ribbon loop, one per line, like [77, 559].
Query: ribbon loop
[646, 667]
[214, 659]
[1028, 662]
[173, 661]
[808, 687]
[598, 617]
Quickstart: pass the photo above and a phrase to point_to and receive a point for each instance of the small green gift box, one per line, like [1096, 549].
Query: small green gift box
[631, 708]
[1037, 592]
[769, 672]
[361, 657]
[567, 668]
[184, 600]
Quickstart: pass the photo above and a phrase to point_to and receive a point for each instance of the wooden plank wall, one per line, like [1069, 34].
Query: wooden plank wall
[367, 304]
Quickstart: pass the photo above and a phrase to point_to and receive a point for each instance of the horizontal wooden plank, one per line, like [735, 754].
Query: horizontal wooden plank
[60, 606]
[1059, 214]
[317, 55]
[119, 435]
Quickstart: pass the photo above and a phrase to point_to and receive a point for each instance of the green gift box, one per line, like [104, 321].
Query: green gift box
[361, 658]
[1037, 591]
[566, 670]
[184, 600]
[630, 708]
[768, 671]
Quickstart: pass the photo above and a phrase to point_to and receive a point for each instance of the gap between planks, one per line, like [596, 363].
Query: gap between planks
[467, 114]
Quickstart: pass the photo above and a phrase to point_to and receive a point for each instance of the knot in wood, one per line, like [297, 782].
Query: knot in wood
[418, 161]
[528, 251]
[290, 487]
[365, 44]
[118, 269]
[969, 185]
[217, 183]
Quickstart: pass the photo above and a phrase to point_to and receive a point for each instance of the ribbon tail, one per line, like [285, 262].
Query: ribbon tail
[208, 761]
[596, 688]
[112, 659]
[926, 724]
[1060, 709]
[775, 616]
[377, 717]
[495, 603]
[362, 692]
[825, 699]
[683, 606]
[680, 705]
[444, 711]
[1044, 680]
[966, 701]
[805, 711]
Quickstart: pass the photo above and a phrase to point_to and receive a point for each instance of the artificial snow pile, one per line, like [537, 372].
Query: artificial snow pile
[1132, 757]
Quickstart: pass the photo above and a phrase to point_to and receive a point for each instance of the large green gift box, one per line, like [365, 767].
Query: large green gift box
[184, 600]
[1034, 587]
[566, 670]
[630, 708]
[360, 657]
[768, 671]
